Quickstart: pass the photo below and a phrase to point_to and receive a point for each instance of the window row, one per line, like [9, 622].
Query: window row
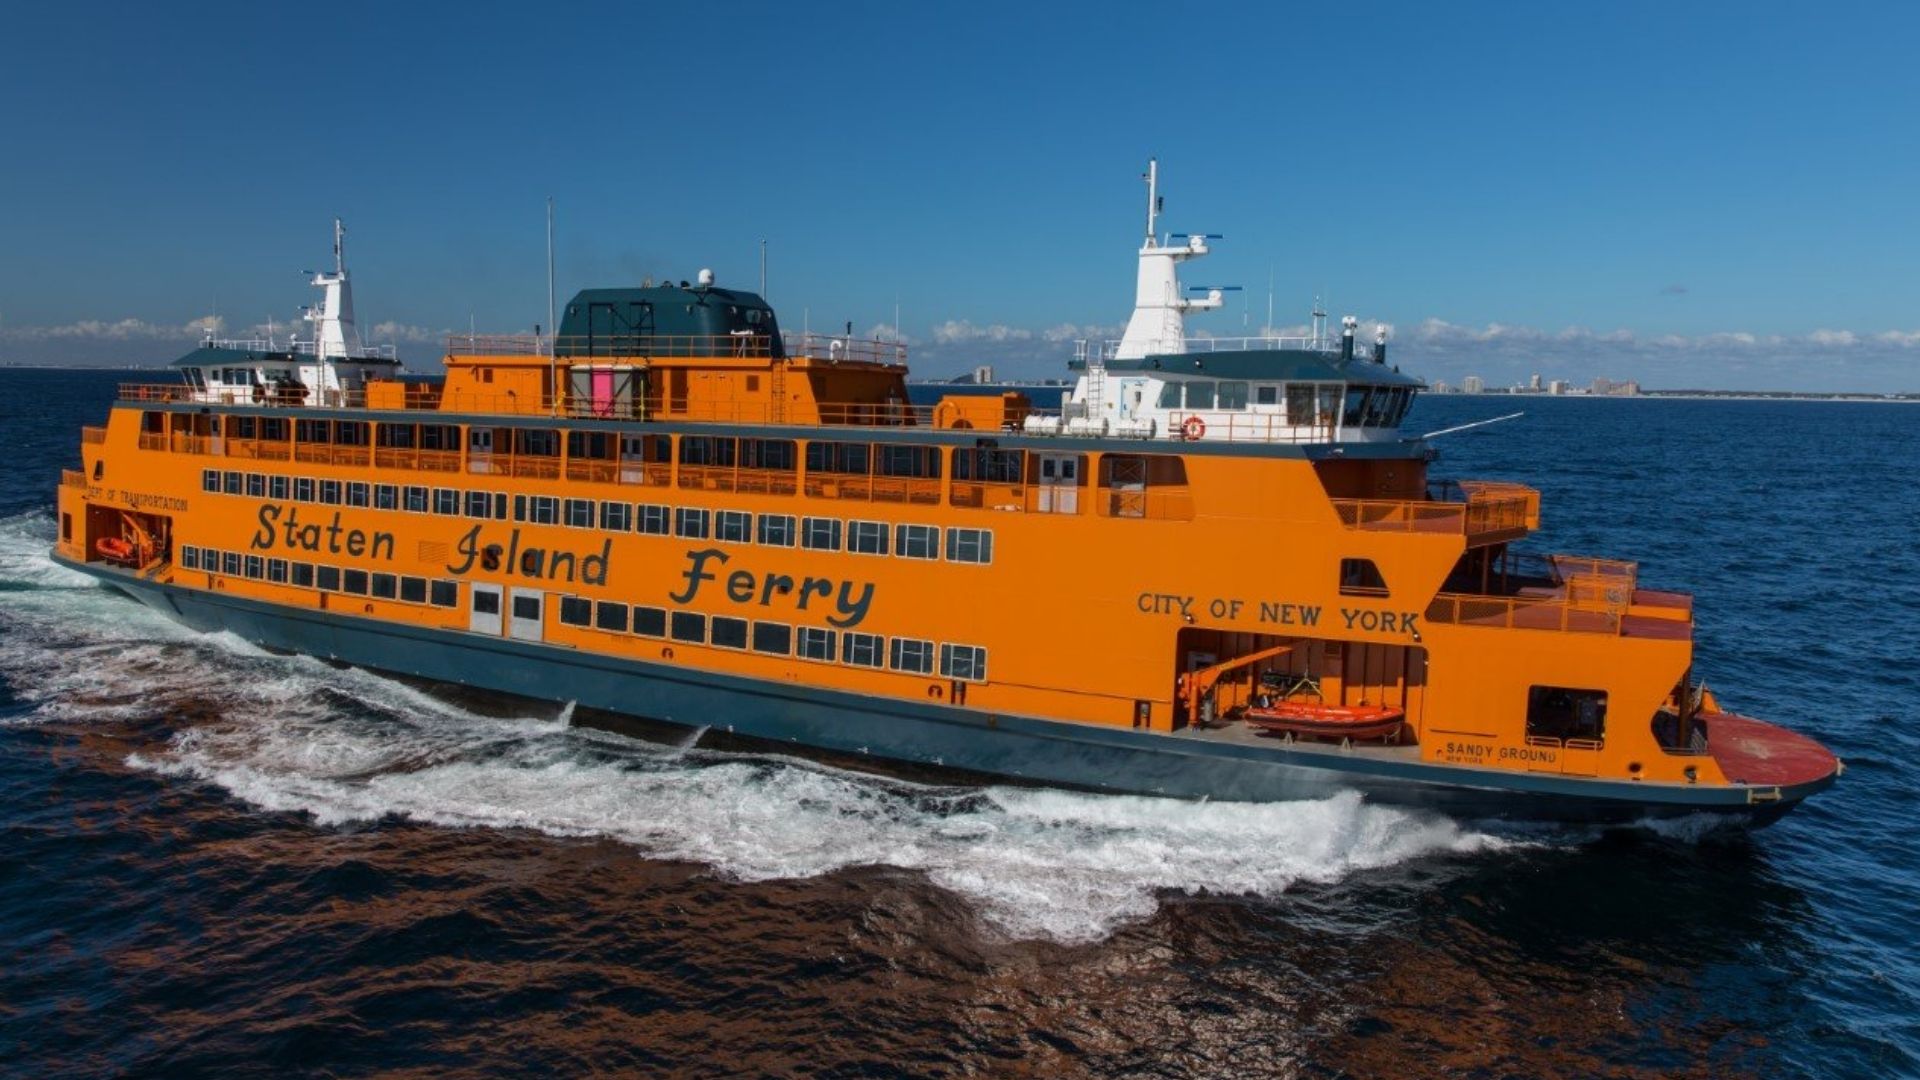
[775, 530]
[913, 656]
[440, 592]
[413, 498]
[692, 523]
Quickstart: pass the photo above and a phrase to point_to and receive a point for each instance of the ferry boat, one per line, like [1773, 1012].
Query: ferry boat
[1219, 570]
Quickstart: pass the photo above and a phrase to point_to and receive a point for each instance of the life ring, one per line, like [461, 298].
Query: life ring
[1193, 428]
[115, 548]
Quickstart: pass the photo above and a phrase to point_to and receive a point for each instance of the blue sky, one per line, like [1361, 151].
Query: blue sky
[1694, 195]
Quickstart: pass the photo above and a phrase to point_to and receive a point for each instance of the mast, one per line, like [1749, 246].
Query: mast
[335, 337]
[1152, 178]
[553, 332]
[1158, 325]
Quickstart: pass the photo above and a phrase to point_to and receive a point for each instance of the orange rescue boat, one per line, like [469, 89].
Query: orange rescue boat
[1327, 721]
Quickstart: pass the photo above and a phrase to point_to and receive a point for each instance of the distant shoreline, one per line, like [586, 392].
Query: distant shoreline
[1896, 398]
[1902, 397]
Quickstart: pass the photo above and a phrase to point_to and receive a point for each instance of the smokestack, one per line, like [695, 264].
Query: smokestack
[1347, 323]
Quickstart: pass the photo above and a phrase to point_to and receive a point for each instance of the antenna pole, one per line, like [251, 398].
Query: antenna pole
[339, 247]
[1153, 198]
[553, 363]
[763, 268]
[1270, 299]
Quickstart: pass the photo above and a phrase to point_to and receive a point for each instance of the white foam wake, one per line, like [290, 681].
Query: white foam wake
[24, 540]
[297, 734]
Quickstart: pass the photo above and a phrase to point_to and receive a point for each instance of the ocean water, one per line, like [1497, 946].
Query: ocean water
[216, 859]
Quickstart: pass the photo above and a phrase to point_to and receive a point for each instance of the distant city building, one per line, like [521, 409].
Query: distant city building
[1630, 388]
[1557, 386]
[1441, 388]
[1533, 384]
[1601, 386]
[983, 373]
[1473, 384]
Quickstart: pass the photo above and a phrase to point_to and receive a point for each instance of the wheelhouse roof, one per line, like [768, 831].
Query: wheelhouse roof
[1268, 365]
[222, 355]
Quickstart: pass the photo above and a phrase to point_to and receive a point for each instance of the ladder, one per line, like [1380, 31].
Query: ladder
[1096, 388]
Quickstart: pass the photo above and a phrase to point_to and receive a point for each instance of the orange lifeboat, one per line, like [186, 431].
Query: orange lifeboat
[115, 549]
[1327, 721]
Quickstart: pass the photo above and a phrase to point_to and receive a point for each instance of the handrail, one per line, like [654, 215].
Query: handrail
[659, 404]
[1086, 349]
[1524, 613]
[300, 348]
[1484, 508]
[572, 349]
[1217, 425]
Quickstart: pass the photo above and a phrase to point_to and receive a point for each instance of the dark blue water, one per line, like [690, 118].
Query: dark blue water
[214, 859]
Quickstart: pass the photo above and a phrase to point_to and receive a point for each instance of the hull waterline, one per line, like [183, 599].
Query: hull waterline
[1016, 748]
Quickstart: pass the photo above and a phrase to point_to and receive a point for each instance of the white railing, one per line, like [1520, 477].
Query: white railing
[364, 352]
[1103, 351]
[300, 348]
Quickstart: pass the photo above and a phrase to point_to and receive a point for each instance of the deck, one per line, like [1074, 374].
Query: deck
[1239, 733]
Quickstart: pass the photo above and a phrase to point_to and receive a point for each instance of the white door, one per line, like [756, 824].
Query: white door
[480, 450]
[484, 616]
[525, 620]
[1059, 483]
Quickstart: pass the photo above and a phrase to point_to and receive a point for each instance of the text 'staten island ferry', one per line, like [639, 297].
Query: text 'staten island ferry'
[1219, 571]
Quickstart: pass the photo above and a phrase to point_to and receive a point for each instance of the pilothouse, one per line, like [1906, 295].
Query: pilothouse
[328, 367]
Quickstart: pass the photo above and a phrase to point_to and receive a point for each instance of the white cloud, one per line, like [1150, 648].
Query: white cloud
[404, 332]
[117, 330]
[1079, 332]
[1505, 353]
[955, 331]
[1436, 349]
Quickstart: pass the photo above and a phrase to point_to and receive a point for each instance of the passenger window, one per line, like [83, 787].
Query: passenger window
[1233, 395]
[1199, 395]
[1558, 712]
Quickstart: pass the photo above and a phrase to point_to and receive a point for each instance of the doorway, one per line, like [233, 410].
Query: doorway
[484, 616]
[525, 622]
[1059, 483]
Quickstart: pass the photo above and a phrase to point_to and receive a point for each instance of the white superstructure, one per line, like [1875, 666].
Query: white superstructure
[1156, 382]
[1159, 322]
[326, 368]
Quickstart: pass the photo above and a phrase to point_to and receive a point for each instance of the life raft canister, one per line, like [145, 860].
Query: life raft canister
[113, 547]
[1193, 428]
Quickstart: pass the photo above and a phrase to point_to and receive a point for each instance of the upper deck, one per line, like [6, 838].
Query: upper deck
[765, 379]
